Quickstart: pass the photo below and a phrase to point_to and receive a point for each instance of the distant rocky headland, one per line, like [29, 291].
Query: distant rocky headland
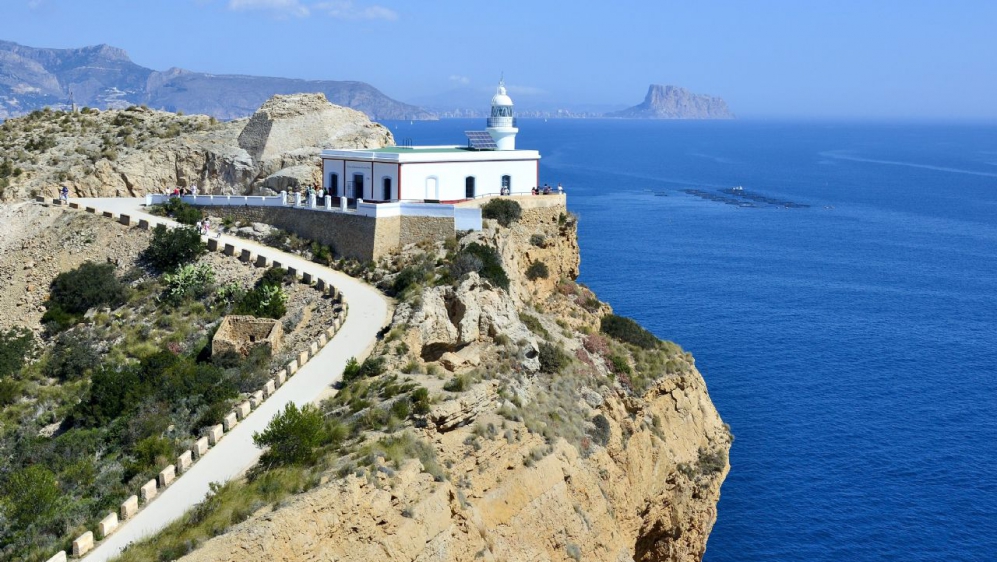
[104, 77]
[672, 102]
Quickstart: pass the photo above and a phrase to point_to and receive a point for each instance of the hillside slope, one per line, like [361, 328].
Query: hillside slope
[104, 77]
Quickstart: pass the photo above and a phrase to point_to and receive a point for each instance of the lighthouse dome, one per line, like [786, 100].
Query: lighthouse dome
[501, 97]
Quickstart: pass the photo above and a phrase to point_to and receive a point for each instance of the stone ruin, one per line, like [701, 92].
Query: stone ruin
[242, 334]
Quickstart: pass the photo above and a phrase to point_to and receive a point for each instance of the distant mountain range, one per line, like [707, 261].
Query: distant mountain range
[672, 102]
[104, 77]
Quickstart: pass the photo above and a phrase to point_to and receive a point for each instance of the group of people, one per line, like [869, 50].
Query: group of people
[204, 228]
[547, 190]
[180, 191]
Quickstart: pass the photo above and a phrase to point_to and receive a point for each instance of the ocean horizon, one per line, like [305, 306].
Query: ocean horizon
[841, 307]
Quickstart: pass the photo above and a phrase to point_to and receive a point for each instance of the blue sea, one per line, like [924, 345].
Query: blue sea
[851, 344]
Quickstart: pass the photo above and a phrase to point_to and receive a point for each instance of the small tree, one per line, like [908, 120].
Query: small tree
[292, 436]
[171, 248]
[30, 495]
[537, 270]
[505, 211]
[15, 345]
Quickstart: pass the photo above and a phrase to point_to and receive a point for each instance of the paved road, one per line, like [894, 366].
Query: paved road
[235, 453]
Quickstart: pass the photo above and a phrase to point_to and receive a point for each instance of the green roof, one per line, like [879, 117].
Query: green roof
[419, 150]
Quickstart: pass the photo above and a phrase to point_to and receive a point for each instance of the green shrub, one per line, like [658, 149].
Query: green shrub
[188, 281]
[171, 248]
[537, 270]
[619, 365]
[627, 330]
[420, 401]
[459, 383]
[292, 436]
[711, 462]
[273, 276]
[552, 358]
[30, 495]
[73, 356]
[371, 367]
[538, 240]
[491, 263]
[15, 346]
[265, 301]
[533, 323]
[505, 211]
[88, 286]
[407, 277]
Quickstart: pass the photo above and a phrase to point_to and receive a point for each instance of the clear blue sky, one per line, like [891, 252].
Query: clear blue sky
[767, 58]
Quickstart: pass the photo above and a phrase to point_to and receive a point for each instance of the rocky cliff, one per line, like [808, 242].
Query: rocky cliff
[134, 151]
[546, 439]
[104, 77]
[672, 102]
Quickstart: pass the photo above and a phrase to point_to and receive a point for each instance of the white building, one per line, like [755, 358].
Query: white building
[488, 165]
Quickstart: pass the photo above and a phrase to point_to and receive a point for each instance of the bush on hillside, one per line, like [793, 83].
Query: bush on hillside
[15, 346]
[505, 211]
[188, 281]
[371, 367]
[552, 358]
[628, 330]
[292, 436]
[180, 211]
[73, 356]
[73, 293]
[171, 248]
[537, 270]
[491, 263]
[267, 299]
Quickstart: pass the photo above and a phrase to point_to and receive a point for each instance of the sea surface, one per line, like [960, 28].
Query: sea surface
[851, 344]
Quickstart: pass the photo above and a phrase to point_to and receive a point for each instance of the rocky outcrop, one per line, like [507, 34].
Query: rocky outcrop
[672, 102]
[451, 319]
[574, 465]
[138, 150]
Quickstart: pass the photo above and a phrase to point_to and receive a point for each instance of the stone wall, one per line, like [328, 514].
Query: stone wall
[241, 334]
[350, 235]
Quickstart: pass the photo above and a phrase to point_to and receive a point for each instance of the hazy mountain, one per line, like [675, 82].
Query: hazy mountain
[672, 102]
[474, 102]
[104, 77]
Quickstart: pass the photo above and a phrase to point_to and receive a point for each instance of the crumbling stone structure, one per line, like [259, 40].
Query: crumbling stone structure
[242, 334]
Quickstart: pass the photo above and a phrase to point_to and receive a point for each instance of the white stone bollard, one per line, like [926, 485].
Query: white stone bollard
[292, 368]
[184, 461]
[230, 421]
[242, 410]
[167, 476]
[129, 507]
[270, 388]
[107, 525]
[256, 399]
[58, 557]
[331, 331]
[215, 434]
[342, 204]
[302, 358]
[328, 203]
[283, 198]
[83, 544]
[200, 447]
[322, 340]
[313, 348]
[148, 491]
[280, 378]
[311, 201]
[297, 199]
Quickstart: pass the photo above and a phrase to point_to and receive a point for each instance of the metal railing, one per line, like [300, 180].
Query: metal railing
[502, 122]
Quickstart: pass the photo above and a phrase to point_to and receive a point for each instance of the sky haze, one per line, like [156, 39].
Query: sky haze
[766, 58]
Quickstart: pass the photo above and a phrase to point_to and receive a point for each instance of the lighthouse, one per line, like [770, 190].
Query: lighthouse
[502, 124]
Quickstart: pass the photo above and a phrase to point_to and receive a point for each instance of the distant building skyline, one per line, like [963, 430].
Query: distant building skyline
[768, 59]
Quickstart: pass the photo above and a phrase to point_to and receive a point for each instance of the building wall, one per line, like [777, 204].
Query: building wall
[373, 173]
[353, 236]
[450, 176]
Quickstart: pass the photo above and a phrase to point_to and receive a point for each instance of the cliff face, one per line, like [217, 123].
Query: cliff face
[588, 463]
[104, 77]
[671, 102]
[131, 152]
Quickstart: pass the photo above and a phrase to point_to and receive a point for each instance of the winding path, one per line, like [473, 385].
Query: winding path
[235, 453]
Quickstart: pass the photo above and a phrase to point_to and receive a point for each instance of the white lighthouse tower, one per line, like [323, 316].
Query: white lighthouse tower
[502, 124]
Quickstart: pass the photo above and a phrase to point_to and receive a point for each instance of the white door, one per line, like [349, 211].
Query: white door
[432, 188]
